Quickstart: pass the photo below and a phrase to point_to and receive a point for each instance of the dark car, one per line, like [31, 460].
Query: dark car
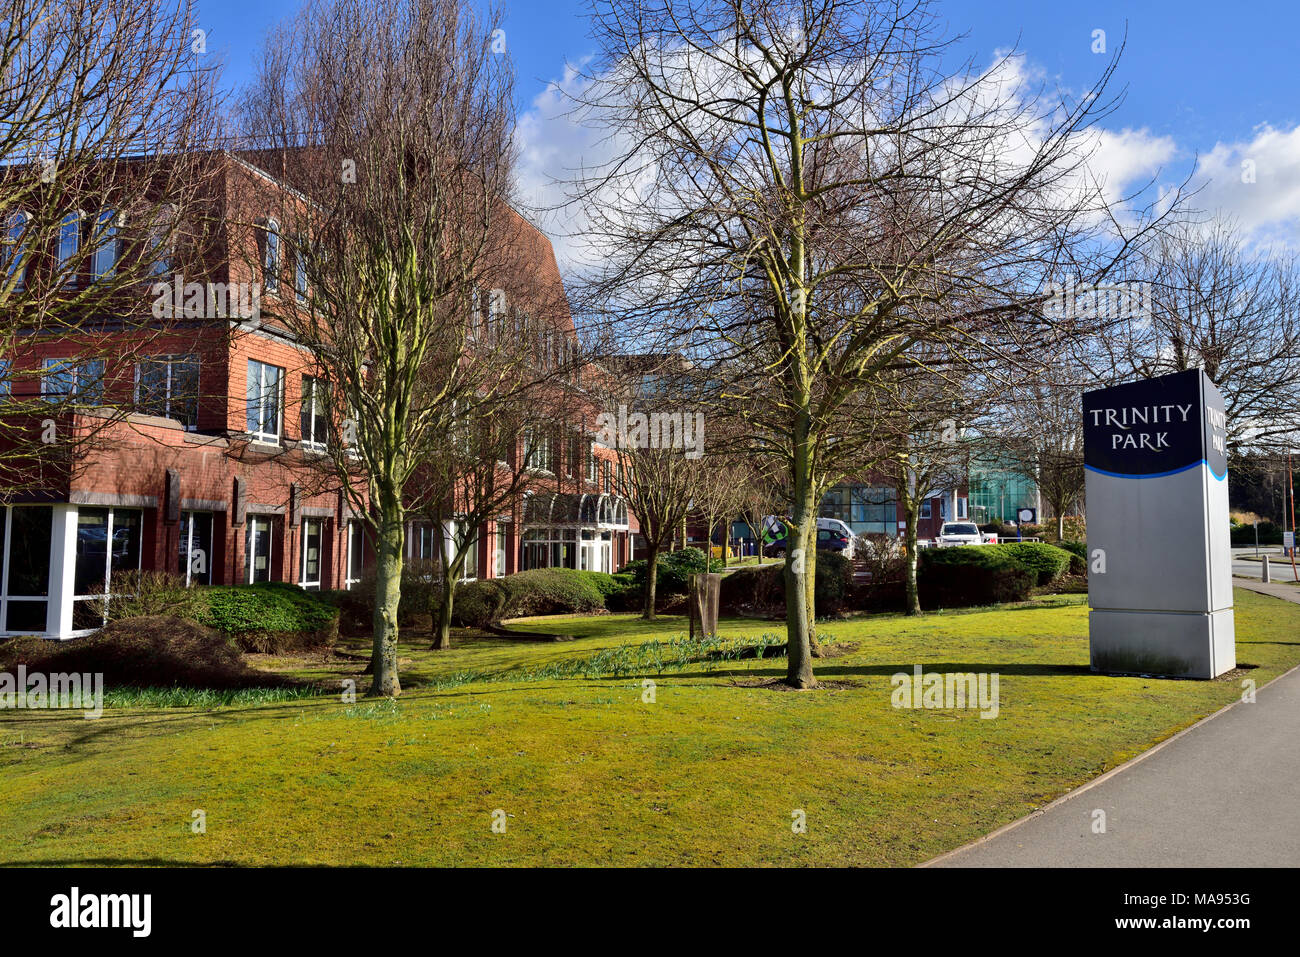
[828, 540]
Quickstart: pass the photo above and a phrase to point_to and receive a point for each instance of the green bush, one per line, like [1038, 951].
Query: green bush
[1269, 534]
[756, 588]
[673, 570]
[541, 591]
[970, 575]
[1047, 562]
[1078, 557]
[421, 585]
[271, 616]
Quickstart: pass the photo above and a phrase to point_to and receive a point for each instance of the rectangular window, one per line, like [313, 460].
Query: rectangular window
[925, 509]
[258, 552]
[314, 433]
[6, 389]
[103, 262]
[300, 269]
[107, 561]
[265, 392]
[67, 380]
[25, 537]
[356, 552]
[537, 451]
[168, 386]
[194, 562]
[271, 257]
[591, 462]
[15, 253]
[961, 508]
[69, 245]
[313, 538]
[499, 566]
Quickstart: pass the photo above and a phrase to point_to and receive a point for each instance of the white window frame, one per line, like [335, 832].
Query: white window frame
[354, 529]
[105, 595]
[303, 583]
[16, 246]
[271, 258]
[49, 599]
[259, 436]
[320, 415]
[107, 221]
[74, 218]
[252, 523]
[79, 379]
[169, 361]
[189, 543]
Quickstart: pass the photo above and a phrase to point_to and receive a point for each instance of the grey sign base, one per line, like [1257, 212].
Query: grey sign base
[1172, 644]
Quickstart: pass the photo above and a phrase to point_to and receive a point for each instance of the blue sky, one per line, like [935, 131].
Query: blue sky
[1208, 84]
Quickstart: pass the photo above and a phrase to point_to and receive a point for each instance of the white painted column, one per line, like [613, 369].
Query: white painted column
[63, 563]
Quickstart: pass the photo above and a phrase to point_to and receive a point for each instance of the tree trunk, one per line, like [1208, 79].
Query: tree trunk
[651, 576]
[1060, 527]
[388, 595]
[799, 672]
[912, 594]
[810, 585]
[442, 636]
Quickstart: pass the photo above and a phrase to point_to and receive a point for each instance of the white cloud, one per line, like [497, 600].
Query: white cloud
[1268, 209]
[555, 145]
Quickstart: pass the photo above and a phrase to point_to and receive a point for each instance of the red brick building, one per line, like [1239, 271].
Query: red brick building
[207, 475]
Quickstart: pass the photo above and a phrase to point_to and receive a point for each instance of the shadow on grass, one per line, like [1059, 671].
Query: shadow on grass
[1044, 670]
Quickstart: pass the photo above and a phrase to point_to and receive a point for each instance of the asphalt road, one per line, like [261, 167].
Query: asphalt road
[1225, 793]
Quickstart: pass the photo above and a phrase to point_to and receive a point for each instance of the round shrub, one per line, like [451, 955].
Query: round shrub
[271, 616]
[673, 570]
[970, 575]
[1078, 557]
[541, 591]
[1047, 562]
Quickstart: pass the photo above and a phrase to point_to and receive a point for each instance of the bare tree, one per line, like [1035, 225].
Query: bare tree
[106, 113]
[393, 119]
[793, 181]
[1214, 302]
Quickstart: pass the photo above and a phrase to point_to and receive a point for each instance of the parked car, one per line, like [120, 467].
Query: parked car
[833, 535]
[962, 533]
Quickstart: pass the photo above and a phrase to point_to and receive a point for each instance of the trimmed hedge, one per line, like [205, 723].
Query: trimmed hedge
[1047, 562]
[266, 617]
[271, 616]
[970, 575]
[541, 591]
[761, 588]
[1269, 534]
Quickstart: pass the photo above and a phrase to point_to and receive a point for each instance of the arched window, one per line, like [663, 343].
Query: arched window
[105, 244]
[271, 257]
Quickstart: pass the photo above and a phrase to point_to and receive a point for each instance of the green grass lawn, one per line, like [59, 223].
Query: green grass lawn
[587, 773]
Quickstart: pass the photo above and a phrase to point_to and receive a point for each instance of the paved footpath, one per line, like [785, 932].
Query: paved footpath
[1223, 793]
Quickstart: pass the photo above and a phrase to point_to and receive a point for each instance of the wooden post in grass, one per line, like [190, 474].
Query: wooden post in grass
[705, 589]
